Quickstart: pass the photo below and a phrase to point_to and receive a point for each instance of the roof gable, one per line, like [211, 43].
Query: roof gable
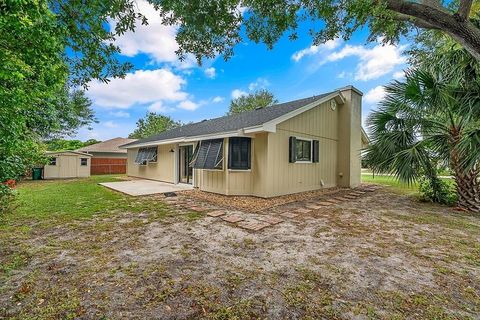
[111, 145]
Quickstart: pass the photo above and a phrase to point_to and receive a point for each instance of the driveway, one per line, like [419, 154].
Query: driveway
[145, 187]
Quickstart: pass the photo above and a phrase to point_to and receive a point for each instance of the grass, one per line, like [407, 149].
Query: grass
[75, 199]
[392, 183]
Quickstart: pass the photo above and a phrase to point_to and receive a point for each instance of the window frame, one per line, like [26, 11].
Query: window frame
[249, 154]
[86, 162]
[55, 159]
[297, 139]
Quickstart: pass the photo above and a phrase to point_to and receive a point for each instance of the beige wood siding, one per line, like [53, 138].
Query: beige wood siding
[350, 140]
[162, 170]
[319, 123]
[68, 166]
[213, 180]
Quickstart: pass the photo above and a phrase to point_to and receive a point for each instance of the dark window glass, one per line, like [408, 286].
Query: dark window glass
[53, 161]
[83, 161]
[304, 150]
[239, 153]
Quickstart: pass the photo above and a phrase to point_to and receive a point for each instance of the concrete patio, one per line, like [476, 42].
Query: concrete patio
[145, 187]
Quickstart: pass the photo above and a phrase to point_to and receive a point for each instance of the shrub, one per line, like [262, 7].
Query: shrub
[437, 190]
[6, 198]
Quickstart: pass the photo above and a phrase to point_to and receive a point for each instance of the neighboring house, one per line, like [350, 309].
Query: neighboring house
[67, 164]
[302, 145]
[107, 157]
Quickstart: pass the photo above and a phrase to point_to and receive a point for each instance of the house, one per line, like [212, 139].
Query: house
[302, 145]
[107, 157]
[67, 164]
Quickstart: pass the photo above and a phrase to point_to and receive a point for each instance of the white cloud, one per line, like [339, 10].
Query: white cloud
[155, 39]
[188, 105]
[374, 95]
[237, 93]
[120, 114]
[158, 107]
[374, 62]
[210, 73]
[218, 99]
[312, 50]
[139, 87]
[399, 75]
[260, 83]
[110, 124]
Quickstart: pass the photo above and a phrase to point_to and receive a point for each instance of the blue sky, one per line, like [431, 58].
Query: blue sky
[188, 92]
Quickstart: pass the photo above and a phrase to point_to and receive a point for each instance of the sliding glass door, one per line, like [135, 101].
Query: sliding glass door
[185, 172]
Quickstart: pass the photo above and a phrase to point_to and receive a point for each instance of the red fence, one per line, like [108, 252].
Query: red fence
[108, 166]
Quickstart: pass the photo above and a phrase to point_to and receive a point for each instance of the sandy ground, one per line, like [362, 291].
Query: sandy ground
[381, 256]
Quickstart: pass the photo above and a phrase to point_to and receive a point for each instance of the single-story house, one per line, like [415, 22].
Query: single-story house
[107, 157]
[297, 146]
[67, 164]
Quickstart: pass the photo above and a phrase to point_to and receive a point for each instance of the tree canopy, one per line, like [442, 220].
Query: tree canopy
[432, 116]
[258, 99]
[153, 123]
[208, 28]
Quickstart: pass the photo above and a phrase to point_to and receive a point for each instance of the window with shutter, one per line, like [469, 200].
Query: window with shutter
[146, 155]
[210, 155]
[239, 153]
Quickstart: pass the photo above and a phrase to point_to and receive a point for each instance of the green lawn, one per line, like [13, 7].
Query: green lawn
[63, 200]
[392, 183]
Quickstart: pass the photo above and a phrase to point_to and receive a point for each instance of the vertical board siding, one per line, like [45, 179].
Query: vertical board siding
[68, 166]
[319, 123]
[162, 170]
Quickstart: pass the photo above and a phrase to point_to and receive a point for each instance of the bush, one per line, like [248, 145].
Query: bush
[437, 190]
[6, 198]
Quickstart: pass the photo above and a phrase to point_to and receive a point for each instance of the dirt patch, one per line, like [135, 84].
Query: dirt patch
[380, 256]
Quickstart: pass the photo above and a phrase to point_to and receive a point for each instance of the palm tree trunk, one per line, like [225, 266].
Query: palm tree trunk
[468, 186]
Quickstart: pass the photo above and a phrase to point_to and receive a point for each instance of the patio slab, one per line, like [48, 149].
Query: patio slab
[145, 187]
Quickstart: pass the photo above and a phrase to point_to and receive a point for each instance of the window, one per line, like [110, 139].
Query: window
[303, 150]
[146, 155]
[83, 161]
[209, 155]
[52, 161]
[239, 151]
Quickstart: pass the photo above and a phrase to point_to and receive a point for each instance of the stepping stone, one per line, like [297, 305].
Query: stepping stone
[324, 203]
[348, 196]
[313, 206]
[341, 199]
[233, 218]
[272, 219]
[289, 214]
[332, 200]
[302, 210]
[359, 192]
[198, 209]
[253, 225]
[216, 213]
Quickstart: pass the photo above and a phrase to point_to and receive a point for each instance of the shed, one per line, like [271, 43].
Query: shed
[107, 157]
[67, 164]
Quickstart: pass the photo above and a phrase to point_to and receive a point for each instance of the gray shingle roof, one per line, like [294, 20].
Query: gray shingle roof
[232, 122]
[111, 145]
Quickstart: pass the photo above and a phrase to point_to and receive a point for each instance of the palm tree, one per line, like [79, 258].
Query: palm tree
[432, 115]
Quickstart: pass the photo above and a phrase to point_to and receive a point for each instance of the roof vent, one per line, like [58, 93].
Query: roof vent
[204, 120]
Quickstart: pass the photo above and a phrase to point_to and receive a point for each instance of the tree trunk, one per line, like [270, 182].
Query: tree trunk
[457, 25]
[468, 186]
